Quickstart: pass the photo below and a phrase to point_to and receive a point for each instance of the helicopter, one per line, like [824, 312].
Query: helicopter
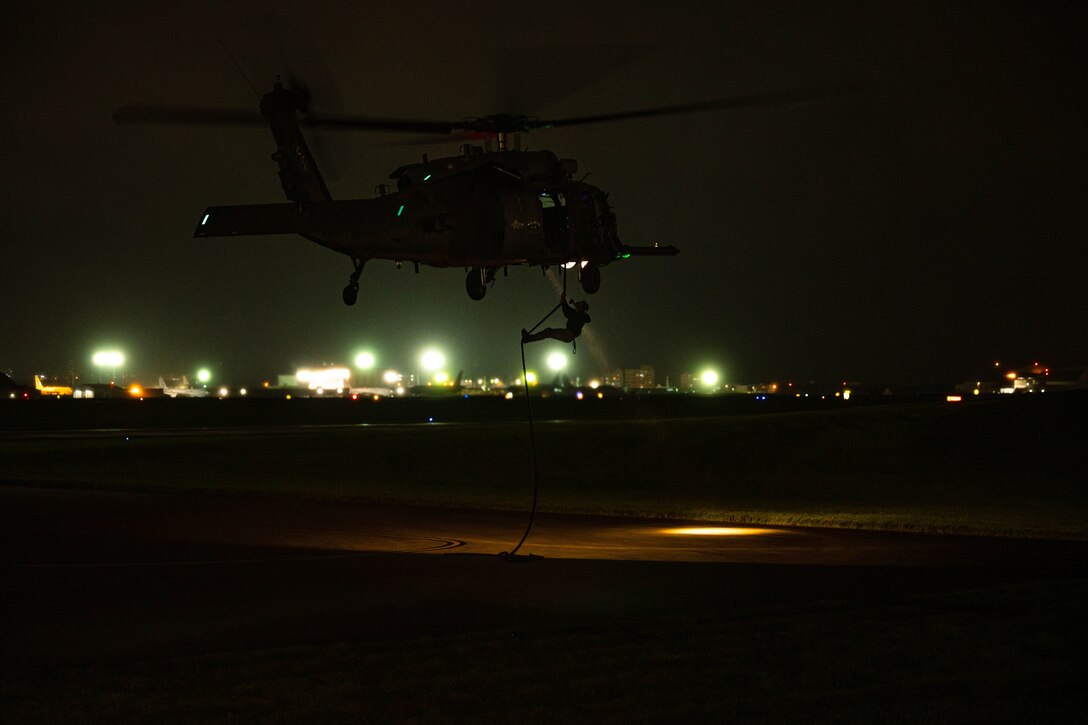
[484, 210]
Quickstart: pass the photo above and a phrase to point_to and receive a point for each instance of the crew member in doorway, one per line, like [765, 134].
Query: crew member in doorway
[577, 315]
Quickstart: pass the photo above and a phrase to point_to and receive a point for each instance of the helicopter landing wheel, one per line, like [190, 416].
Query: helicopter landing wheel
[591, 279]
[474, 284]
[351, 292]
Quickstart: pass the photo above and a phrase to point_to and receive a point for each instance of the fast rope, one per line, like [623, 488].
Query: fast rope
[513, 555]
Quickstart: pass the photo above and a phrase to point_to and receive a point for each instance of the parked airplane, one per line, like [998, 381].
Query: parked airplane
[183, 390]
[54, 390]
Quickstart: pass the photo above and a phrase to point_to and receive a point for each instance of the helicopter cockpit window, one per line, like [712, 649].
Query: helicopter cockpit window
[552, 199]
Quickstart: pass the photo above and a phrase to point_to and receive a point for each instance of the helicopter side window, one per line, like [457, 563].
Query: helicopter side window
[556, 221]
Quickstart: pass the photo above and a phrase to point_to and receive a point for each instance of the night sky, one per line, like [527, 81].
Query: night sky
[913, 232]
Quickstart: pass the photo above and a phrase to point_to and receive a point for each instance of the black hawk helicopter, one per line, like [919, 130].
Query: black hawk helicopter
[483, 210]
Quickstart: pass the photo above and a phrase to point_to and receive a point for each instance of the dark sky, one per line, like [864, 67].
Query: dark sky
[910, 233]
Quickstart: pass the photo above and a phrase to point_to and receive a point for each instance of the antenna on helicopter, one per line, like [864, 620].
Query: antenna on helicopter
[239, 67]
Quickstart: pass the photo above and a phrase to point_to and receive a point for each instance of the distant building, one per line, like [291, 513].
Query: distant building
[638, 378]
[1067, 379]
[1033, 378]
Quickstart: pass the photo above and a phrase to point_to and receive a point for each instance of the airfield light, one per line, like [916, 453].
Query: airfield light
[1010, 376]
[111, 359]
[442, 377]
[136, 391]
[223, 392]
[709, 378]
[390, 377]
[594, 384]
[557, 361]
[432, 359]
[365, 360]
[321, 378]
[530, 378]
[846, 395]
[719, 531]
[203, 376]
[108, 359]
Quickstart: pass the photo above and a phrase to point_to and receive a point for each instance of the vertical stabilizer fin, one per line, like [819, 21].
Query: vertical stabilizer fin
[299, 176]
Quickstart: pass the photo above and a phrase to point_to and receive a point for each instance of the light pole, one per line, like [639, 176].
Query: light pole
[557, 363]
[431, 360]
[112, 359]
[365, 362]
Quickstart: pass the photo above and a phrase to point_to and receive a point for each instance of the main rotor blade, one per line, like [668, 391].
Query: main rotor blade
[152, 113]
[363, 123]
[752, 100]
[182, 115]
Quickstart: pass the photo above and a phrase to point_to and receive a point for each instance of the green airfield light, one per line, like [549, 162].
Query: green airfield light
[557, 361]
[365, 360]
[111, 359]
[432, 359]
[203, 376]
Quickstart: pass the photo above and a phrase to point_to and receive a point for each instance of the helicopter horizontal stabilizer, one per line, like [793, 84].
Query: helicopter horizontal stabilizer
[229, 221]
[654, 251]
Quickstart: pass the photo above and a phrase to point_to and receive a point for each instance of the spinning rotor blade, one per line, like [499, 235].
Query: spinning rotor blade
[752, 100]
[486, 125]
[516, 123]
[362, 123]
[152, 113]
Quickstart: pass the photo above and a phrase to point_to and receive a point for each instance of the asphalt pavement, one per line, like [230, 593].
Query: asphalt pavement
[108, 576]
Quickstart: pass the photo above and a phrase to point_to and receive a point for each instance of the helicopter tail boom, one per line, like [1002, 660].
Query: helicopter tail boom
[654, 251]
[246, 219]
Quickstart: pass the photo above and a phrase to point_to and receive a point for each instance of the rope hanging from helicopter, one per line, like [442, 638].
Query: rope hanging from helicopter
[513, 555]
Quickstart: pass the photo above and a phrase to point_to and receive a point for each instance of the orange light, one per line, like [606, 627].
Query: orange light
[720, 531]
[954, 398]
[1010, 376]
[135, 390]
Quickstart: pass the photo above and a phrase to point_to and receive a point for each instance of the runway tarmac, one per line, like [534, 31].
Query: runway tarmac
[107, 576]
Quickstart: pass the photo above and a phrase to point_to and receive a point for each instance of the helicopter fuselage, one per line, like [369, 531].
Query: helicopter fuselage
[482, 210]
